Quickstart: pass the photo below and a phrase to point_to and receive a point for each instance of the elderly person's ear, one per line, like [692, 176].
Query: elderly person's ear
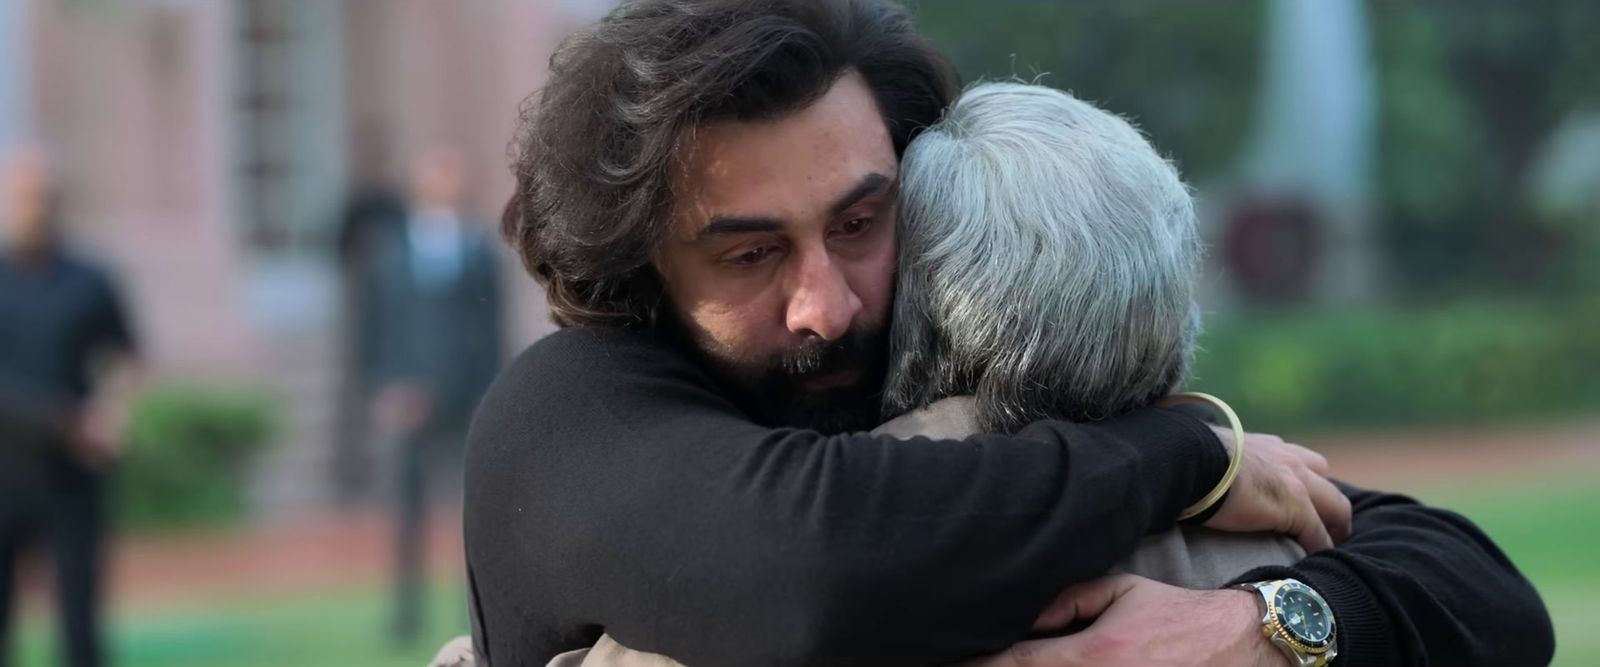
[456, 653]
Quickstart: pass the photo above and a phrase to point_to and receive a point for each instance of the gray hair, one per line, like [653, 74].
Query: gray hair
[1047, 263]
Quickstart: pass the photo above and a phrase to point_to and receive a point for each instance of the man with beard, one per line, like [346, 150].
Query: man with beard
[706, 189]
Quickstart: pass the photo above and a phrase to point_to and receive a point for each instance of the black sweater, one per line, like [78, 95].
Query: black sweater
[612, 487]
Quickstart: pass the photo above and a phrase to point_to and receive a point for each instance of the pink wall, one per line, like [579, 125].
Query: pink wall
[139, 99]
[130, 96]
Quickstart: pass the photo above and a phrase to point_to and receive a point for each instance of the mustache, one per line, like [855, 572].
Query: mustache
[821, 357]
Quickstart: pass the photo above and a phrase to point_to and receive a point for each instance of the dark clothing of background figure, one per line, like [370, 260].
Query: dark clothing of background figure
[56, 316]
[613, 487]
[369, 215]
[437, 323]
[65, 507]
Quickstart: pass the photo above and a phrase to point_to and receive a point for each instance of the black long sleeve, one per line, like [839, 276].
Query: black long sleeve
[1417, 585]
[610, 487]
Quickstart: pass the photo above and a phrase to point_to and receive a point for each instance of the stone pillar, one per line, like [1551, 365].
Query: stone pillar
[1315, 134]
[14, 47]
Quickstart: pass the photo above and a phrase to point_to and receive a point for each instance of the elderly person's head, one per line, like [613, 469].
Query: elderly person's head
[1047, 262]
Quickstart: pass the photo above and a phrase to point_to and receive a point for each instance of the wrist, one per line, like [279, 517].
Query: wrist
[1202, 445]
[1296, 620]
[1245, 609]
[1206, 506]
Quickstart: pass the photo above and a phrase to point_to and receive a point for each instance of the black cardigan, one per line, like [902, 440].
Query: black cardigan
[612, 487]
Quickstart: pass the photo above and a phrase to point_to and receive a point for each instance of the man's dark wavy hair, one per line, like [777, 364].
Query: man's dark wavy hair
[595, 148]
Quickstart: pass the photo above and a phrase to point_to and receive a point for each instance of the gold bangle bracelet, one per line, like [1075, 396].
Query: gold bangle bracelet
[1235, 458]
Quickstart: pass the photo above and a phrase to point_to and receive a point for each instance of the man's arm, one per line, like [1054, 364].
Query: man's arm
[1414, 585]
[99, 430]
[1418, 585]
[99, 425]
[610, 487]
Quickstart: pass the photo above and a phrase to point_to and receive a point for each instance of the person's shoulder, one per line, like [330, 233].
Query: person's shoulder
[80, 264]
[585, 345]
[578, 359]
[88, 271]
[569, 386]
[392, 238]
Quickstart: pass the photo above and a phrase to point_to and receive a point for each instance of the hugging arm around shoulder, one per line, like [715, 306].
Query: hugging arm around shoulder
[1419, 585]
[612, 488]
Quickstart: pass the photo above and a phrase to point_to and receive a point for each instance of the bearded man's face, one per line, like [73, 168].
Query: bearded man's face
[780, 260]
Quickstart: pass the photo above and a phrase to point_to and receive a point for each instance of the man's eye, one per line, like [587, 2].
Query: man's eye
[855, 227]
[752, 256]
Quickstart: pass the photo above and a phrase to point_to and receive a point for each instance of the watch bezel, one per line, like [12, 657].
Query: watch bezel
[1291, 636]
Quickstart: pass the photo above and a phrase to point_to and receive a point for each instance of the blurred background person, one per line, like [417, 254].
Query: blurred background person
[431, 290]
[67, 370]
[374, 210]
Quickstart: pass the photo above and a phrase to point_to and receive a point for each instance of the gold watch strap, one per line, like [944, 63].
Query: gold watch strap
[1266, 592]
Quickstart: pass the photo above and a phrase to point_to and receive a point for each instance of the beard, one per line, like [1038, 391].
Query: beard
[778, 388]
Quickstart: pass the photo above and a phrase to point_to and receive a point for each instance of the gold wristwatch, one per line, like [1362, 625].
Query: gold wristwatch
[1297, 620]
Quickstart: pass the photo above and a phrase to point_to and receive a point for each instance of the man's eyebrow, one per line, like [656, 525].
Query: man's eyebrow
[729, 225]
[869, 184]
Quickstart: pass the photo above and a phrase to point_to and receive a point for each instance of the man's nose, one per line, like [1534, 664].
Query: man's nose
[821, 302]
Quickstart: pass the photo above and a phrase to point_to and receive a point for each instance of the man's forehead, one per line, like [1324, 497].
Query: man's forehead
[784, 166]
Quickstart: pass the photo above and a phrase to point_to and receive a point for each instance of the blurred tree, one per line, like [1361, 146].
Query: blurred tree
[1186, 73]
[1469, 92]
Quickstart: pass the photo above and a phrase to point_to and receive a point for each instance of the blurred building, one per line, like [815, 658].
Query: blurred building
[208, 146]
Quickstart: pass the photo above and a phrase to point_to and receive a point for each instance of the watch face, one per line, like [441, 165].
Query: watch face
[1304, 615]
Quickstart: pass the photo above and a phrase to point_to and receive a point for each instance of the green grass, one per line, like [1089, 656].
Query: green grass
[337, 627]
[1545, 525]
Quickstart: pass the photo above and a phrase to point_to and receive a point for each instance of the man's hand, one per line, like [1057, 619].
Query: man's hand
[1144, 623]
[97, 431]
[457, 652]
[95, 437]
[1283, 488]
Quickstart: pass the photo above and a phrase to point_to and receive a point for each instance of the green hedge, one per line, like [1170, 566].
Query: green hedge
[1471, 362]
[189, 453]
